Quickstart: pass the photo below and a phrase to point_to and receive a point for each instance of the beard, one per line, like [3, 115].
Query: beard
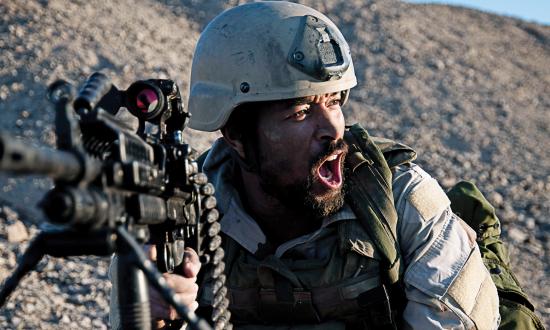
[301, 196]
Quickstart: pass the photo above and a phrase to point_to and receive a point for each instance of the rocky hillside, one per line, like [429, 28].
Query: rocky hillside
[470, 91]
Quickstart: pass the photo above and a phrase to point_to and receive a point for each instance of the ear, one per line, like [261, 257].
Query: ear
[234, 139]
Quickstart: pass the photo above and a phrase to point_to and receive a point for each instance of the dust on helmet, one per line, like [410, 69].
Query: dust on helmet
[265, 51]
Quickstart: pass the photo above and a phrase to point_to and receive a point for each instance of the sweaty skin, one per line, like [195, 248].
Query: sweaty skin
[291, 136]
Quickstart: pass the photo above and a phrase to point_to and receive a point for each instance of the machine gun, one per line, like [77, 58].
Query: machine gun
[116, 189]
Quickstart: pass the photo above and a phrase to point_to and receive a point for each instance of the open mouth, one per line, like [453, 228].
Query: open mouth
[330, 170]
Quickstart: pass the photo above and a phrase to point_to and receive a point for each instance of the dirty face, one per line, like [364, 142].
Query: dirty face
[301, 152]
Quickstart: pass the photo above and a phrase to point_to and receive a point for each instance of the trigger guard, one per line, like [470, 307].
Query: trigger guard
[178, 252]
[164, 261]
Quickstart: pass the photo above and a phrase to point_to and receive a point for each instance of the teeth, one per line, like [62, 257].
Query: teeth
[328, 176]
[331, 158]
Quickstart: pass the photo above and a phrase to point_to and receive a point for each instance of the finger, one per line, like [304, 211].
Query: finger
[167, 312]
[185, 290]
[181, 284]
[191, 263]
[159, 323]
[159, 308]
[162, 310]
[186, 299]
[173, 314]
[151, 252]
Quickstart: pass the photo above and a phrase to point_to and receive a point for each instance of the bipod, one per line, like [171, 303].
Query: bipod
[134, 270]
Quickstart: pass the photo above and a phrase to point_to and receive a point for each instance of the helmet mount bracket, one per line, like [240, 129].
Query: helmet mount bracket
[318, 52]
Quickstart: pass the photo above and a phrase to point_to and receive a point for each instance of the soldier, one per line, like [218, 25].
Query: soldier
[322, 226]
[273, 77]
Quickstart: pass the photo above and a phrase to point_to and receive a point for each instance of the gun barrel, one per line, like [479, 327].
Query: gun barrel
[19, 158]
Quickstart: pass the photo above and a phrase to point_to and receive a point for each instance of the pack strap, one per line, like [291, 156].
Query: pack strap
[370, 196]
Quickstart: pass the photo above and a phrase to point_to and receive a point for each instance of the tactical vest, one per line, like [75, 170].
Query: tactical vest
[357, 285]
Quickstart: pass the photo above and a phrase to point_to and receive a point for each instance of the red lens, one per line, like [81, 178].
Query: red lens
[147, 100]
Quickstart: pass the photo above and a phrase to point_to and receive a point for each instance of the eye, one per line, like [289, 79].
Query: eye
[301, 114]
[334, 102]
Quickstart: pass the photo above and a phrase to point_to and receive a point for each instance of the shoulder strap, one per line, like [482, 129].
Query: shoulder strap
[394, 152]
[202, 158]
[370, 192]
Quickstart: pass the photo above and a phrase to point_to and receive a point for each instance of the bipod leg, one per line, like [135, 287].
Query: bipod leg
[133, 294]
[133, 249]
[26, 263]
[58, 243]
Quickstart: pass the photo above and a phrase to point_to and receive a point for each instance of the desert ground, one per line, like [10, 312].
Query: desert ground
[468, 90]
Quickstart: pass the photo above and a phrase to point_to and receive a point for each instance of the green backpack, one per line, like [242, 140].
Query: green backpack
[369, 166]
[516, 311]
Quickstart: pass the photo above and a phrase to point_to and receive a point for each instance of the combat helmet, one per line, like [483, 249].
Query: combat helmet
[265, 51]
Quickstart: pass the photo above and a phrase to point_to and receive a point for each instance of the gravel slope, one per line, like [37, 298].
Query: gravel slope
[470, 91]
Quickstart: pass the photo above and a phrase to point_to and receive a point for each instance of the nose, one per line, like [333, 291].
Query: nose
[330, 123]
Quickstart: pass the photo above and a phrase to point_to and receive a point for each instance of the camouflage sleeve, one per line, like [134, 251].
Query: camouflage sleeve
[446, 283]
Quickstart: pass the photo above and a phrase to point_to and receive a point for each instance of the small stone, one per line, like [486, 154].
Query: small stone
[17, 232]
[517, 235]
[16, 320]
[86, 322]
[29, 308]
[448, 182]
[496, 198]
[9, 214]
[12, 259]
[530, 223]
[535, 248]
[65, 319]
[436, 64]
[57, 300]
[98, 324]
[3, 95]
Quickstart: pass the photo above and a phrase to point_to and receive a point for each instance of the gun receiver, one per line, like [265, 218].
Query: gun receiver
[115, 189]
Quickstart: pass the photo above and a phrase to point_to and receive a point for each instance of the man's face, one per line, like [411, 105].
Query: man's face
[301, 153]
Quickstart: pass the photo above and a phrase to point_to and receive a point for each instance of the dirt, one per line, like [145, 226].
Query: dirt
[469, 90]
